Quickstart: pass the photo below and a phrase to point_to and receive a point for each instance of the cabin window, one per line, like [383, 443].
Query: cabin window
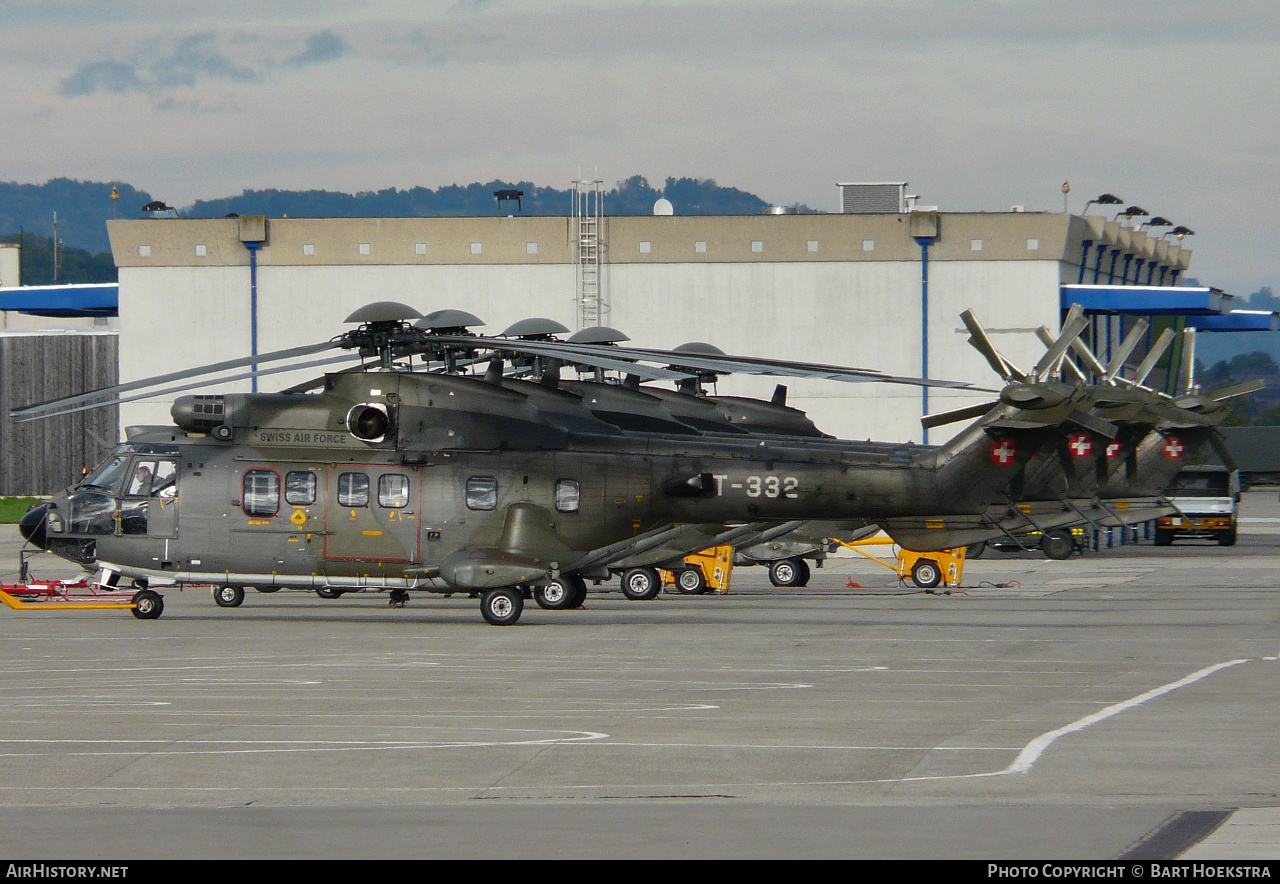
[353, 489]
[482, 493]
[393, 490]
[300, 488]
[567, 496]
[261, 492]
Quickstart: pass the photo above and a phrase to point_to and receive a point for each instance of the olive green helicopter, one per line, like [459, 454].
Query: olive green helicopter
[414, 471]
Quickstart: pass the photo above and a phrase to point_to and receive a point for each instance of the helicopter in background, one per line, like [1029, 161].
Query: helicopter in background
[386, 478]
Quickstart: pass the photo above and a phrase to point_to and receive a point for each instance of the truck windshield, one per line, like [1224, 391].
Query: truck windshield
[1201, 485]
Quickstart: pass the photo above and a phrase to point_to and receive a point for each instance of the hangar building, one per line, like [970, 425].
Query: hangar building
[875, 286]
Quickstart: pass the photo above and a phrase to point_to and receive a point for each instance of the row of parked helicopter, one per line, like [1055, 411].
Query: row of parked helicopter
[416, 470]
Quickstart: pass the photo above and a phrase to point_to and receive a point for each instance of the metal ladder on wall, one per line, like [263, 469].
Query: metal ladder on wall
[588, 207]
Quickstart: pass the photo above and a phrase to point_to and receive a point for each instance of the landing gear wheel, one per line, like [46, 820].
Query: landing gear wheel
[975, 550]
[1058, 545]
[501, 607]
[327, 592]
[789, 572]
[579, 591]
[557, 595]
[228, 596]
[147, 604]
[641, 584]
[926, 574]
[691, 581]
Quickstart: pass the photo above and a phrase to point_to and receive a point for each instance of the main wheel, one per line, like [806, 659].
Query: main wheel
[147, 604]
[975, 550]
[789, 572]
[557, 595]
[691, 581]
[502, 607]
[228, 596]
[1058, 545]
[579, 591]
[328, 592]
[641, 584]
[926, 574]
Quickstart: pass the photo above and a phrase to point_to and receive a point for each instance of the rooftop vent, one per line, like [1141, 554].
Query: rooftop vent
[873, 197]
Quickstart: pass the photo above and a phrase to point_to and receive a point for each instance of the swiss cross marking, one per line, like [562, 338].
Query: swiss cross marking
[1080, 445]
[1173, 448]
[1113, 450]
[1003, 451]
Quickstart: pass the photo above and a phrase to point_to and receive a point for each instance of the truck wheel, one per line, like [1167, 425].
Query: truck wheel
[1227, 538]
[1163, 537]
[1058, 545]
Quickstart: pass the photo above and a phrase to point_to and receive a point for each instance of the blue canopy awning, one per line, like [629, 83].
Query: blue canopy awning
[89, 299]
[1147, 300]
[1237, 321]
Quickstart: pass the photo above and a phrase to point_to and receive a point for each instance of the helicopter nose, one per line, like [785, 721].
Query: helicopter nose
[31, 525]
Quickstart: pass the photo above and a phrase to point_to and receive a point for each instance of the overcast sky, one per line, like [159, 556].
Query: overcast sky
[979, 104]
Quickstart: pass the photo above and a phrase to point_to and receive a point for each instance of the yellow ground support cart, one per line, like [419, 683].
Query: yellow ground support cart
[926, 569]
[706, 571]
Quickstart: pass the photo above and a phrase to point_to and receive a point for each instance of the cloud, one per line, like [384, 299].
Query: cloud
[107, 76]
[194, 58]
[321, 47]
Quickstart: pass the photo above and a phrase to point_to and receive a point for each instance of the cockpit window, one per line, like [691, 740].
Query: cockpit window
[110, 476]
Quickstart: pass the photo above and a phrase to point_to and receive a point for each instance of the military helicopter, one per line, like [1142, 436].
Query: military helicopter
[384, 478]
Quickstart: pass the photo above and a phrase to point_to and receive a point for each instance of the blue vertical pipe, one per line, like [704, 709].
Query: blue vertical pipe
[253, 308]
[924, 325]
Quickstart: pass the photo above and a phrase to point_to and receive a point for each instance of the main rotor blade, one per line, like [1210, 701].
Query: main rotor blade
[969, 412]
[191, 386]
[1072, 326]
[1046, 338]
[979, 341]
[1149, 361]
[1238, 390]
[174, 376]
[1187, 370]
[1127, 346]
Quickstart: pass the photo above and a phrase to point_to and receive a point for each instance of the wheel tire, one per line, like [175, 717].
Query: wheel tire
[1058, 545]
[501, 607]
[228, 596]
[1163, 537]
[327, 592]
[784, 572]
[691, 581]
[641, 584]
[579, 591]
[975, 550]
[267, 588]
[926, 574]
[1227, 538]
[147, 604]
[802, 567]
[557, 595]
